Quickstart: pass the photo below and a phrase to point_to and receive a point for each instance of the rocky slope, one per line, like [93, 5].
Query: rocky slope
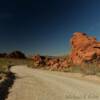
[54, 63]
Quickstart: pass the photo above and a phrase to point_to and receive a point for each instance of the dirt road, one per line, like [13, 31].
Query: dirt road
[33, 84]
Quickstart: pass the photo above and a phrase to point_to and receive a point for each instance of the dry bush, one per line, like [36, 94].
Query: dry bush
[90, 68]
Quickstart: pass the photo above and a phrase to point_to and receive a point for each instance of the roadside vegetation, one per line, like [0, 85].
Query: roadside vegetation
[86, 68]
[6, 62]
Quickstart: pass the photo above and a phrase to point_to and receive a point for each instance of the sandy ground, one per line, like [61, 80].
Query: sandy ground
[34, 84]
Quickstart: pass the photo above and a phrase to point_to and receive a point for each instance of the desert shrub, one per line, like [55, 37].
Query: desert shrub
[89, 68]
[5, 62]
[86, 68]
[73, 68]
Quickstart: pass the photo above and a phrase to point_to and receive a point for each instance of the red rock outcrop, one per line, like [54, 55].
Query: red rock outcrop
[84, 48]
[38, 60]
[54, 63]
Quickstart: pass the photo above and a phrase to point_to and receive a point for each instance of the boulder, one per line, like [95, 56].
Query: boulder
[53, 63]
[38, 60]
[84, 48]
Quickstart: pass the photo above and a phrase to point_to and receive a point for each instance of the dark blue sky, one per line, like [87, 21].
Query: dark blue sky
[45, 26]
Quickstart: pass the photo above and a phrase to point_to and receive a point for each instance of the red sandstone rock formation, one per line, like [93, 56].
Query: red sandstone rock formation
[38, 60]
[84, 48]
[54, 63]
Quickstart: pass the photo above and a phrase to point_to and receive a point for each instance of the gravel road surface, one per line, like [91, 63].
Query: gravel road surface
[34, 84]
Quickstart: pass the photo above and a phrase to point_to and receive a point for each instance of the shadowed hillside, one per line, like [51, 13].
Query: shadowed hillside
[14, 54]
